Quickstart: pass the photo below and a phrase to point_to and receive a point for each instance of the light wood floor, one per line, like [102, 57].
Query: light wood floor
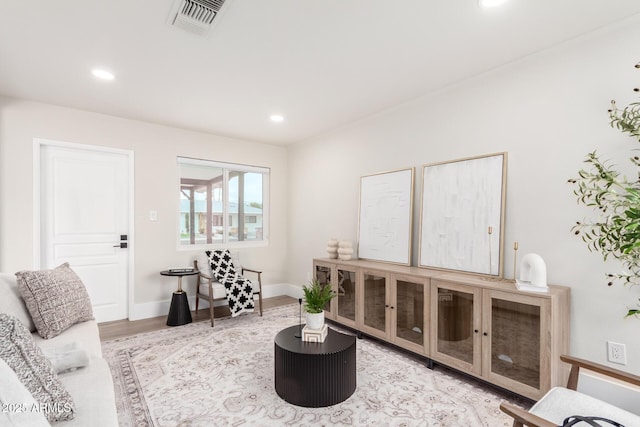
[122, 328]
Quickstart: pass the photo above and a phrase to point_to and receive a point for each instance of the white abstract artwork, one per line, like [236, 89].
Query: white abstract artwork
[462, 215]
[384, 226]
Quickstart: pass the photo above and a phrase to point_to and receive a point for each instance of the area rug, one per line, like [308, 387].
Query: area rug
[195, 375]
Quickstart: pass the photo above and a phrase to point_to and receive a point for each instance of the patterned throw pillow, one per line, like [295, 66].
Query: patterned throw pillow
[221, 264]
[33, 369]
[56, 299]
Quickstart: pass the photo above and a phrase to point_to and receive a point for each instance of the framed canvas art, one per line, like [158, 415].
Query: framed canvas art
[385, 217]
[462, 215]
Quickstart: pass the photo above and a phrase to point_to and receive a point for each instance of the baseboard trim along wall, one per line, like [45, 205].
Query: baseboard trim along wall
[161, 308]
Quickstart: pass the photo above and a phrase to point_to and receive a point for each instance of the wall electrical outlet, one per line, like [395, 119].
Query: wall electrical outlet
[616, 353]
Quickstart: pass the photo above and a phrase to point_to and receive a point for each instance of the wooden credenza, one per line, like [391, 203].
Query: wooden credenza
[484, 327]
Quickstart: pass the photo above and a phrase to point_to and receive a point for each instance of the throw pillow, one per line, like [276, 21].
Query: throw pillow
[67, 357]
[26, 359]
[204, 265]
[56, 299]
[19, 408]
[12, 303]
[221, 264]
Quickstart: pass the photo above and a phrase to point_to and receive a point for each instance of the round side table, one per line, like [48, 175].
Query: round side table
[179, 312]
[312, 374]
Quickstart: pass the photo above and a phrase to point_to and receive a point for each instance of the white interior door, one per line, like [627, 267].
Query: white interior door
[84, 220]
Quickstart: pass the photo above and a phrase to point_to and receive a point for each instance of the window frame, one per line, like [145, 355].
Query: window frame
[226, 168]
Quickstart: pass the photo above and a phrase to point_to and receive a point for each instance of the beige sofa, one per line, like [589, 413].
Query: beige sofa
[90, 386]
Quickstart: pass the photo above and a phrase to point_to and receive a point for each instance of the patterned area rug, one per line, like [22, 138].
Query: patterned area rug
[195, 375]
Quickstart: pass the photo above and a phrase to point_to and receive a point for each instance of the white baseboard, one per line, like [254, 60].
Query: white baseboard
[161, 308]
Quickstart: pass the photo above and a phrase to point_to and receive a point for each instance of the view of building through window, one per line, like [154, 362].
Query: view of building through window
[222, 202]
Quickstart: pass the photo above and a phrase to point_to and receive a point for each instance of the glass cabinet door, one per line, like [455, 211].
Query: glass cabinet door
[323, 275]
[516, 343]
[375, 303]
[346, 295]
[411, 296]
[456, 336]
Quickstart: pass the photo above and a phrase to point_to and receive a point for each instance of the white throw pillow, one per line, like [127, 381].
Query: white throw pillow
[203, 264]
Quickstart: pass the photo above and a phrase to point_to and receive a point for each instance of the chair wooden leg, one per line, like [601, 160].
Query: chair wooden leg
[211, 310]
[197, 300]
[260, 302]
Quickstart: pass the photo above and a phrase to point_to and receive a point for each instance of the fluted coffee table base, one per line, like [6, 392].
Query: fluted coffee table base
[315, 374]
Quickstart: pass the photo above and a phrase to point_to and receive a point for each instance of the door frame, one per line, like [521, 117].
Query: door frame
[38, 144]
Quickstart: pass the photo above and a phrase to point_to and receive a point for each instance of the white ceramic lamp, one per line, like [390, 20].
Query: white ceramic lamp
[533, 274]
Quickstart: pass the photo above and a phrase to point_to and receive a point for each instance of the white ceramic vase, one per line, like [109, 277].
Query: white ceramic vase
[345, 250]
[315, 321]
[332, 248]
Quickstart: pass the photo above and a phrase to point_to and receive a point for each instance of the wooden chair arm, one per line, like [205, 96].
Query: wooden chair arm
[577, 363]
[251, 270]
[522, 417]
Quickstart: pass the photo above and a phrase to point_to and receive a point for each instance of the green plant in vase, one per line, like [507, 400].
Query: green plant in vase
[615, 231]
[316, 296]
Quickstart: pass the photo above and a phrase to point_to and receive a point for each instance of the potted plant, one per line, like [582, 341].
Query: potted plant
[615, 230]
[316, 297]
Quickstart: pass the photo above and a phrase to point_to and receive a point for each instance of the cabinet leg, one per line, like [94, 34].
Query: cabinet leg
[359, 335]
[430, 364]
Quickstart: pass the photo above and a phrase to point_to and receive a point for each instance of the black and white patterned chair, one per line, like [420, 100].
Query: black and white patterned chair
[213, 267]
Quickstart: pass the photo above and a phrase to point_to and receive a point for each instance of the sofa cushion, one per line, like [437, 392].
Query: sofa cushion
[560, 403]
[55, 298]
[86, 333]
[19, 408]
[12, 302]
[93, 395]
[219, 291]
[33, 369]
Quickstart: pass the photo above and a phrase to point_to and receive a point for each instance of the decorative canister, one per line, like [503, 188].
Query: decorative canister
[345, 250]
[332, 248]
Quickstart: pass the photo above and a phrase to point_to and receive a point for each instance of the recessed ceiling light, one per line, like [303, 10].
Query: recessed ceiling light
[102, 74]
[276, 118]
[491, 3]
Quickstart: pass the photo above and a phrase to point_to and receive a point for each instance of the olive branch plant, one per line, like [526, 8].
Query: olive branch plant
[615, 232]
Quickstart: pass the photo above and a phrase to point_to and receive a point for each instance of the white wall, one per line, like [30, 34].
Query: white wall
[547, 111]
[156, 176]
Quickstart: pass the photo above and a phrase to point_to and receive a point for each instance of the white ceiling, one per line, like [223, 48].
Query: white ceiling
[320, 63]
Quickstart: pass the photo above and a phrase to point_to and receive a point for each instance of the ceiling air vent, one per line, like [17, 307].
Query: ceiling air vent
[196, 16]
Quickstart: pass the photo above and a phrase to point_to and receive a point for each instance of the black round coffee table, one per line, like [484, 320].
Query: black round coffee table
[313, 374]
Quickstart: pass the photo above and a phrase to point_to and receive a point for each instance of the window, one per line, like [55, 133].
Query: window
[212, 191]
